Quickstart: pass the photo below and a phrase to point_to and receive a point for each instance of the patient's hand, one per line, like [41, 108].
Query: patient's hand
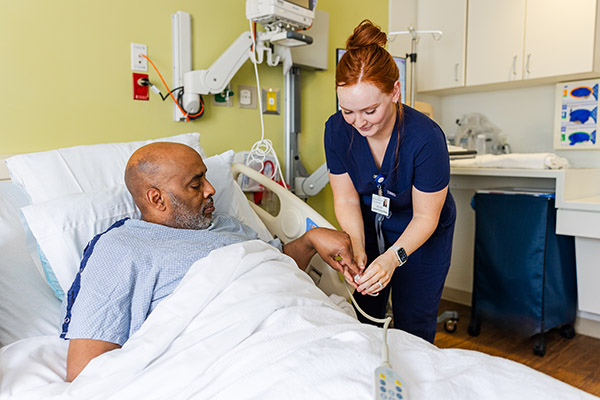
[335, 248]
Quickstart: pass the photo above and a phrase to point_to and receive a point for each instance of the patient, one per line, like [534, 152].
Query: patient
[126, 271]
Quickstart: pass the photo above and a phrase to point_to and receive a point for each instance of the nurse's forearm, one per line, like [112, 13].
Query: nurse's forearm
[427, 208]
[419, 229]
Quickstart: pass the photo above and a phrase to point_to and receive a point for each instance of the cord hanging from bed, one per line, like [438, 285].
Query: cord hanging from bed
[264, 147]
[386, 323]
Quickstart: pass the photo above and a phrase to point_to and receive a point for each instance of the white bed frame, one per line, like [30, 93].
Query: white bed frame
[290, 223]
[294, 218]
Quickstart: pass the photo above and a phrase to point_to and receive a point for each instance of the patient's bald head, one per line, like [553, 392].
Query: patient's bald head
[168, 184]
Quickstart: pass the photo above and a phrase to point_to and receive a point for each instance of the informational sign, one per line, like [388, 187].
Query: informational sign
[576, 115]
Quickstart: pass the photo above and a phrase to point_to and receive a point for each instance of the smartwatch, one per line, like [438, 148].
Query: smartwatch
[400, 254]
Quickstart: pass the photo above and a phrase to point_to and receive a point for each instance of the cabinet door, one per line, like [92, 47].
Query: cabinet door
[441, 63]
[495, 41]
[559, 37]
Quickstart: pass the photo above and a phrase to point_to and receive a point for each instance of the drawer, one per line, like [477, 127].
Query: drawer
[578, 223]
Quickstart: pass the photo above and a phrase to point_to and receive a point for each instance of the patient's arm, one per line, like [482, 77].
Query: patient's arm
[82, 351]
[333, 246]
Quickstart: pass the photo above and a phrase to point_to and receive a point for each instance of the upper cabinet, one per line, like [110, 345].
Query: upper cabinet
[441, 63]
[491, 42]
[495, 41]
[559, 38]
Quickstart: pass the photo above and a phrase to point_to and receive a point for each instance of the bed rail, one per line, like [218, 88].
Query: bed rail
[294, 218]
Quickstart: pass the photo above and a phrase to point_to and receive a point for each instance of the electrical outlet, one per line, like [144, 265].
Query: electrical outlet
[247, 96]
[140, 92]
[139, 63]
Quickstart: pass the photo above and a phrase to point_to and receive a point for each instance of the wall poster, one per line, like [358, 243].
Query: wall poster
[576, 115]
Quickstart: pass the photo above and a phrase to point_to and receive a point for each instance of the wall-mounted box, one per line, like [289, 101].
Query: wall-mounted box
[314, 55]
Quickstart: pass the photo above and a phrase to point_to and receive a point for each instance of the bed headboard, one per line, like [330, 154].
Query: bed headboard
[3, 170]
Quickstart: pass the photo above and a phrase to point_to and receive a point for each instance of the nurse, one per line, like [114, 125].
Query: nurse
[389, 173]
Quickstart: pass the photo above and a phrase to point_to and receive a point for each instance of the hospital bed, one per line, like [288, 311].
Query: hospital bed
[244, 323]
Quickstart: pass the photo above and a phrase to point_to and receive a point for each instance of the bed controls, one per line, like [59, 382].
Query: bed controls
[388, 384]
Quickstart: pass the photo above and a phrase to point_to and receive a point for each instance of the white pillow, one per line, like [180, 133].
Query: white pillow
[62, 227]
[27, 305]
[90, 168]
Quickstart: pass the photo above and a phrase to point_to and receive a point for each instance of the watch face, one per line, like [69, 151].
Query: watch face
[401, 255]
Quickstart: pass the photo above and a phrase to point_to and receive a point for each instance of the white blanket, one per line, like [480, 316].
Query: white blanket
[246, 323]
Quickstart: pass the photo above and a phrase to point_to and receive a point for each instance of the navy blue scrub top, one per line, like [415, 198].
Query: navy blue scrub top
[421, 161]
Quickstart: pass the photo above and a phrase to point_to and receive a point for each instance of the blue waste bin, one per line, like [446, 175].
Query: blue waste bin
[524, 273]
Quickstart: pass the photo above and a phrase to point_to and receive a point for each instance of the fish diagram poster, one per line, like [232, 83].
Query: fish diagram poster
[576, 122]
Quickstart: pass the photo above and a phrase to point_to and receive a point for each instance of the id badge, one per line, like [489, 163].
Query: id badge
[380, 205]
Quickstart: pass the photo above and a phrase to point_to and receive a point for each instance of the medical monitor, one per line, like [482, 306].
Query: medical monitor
[400, 62]
[297, 13]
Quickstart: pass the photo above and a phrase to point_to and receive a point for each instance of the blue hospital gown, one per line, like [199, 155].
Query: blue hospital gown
[129, 269]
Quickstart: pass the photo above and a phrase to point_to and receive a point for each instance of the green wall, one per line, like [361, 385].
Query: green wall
[67, 79]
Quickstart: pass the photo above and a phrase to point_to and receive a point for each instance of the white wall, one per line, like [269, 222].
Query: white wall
[525, 116]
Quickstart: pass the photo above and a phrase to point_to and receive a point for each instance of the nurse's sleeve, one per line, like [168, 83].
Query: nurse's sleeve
[432, 165]
[335, 164]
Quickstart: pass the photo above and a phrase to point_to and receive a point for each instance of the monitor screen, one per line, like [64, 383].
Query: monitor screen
[400, 62]
[303, 3]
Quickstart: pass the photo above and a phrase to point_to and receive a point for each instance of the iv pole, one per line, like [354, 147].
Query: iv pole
[437, 35]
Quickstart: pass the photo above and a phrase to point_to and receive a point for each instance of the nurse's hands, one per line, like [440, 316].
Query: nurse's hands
[378, 274]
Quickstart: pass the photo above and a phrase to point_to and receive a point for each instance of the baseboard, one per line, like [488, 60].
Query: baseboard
[586, 323]
[457, 296]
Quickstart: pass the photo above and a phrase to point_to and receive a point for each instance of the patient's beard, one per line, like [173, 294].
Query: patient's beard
[187, 218]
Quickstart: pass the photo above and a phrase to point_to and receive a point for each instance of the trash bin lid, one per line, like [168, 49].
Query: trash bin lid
[537, 192]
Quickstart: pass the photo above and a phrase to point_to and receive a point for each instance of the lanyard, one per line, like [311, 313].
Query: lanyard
[379, 217]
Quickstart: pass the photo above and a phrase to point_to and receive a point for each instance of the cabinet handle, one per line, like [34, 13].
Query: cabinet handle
[514, 66]
[456, 72]
[527, 65]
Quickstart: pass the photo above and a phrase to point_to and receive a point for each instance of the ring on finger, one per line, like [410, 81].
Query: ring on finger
[380, 285]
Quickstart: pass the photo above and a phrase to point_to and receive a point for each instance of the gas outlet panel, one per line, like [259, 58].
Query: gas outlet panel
[140, 92]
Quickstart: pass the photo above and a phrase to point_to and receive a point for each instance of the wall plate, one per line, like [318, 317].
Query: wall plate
[139, 63]
[247, 97]
[271, 101]
[140, 92]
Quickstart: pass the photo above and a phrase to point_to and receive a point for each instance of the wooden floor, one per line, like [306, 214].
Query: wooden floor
[574, 361]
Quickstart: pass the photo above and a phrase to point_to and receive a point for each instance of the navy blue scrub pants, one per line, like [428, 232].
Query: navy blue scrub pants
[416, 293]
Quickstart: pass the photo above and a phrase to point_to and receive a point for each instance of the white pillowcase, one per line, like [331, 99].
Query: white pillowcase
[27, 306]
[63, 226]
[90, 168]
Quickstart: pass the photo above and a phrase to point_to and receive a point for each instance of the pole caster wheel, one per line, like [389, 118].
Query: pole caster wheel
[451, 325]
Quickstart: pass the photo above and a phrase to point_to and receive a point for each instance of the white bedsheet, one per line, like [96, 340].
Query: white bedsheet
[246, 323]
